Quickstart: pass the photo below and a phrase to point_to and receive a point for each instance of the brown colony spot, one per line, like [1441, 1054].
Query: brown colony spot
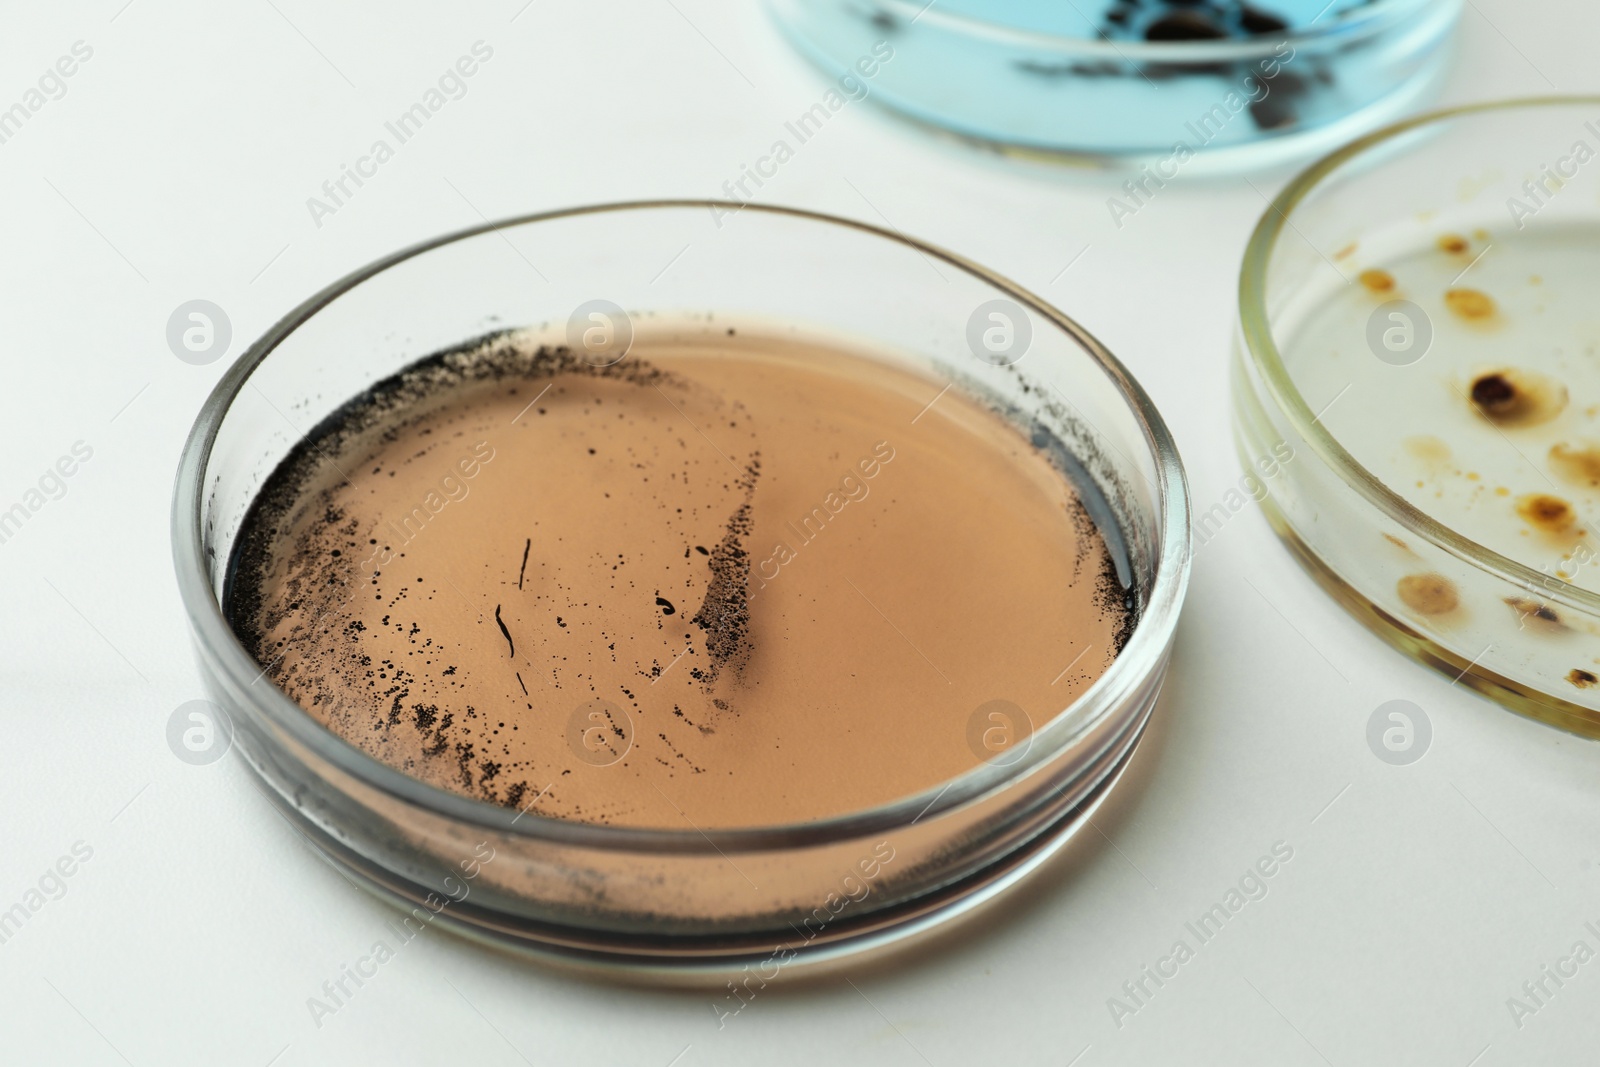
[1545, 512]
[1494, 395]
[1582, 678]
[1453, 243]
[1578, 464]
[1427, 448]
[1377, 281]
[1470, 304]
[1512, 397]
[1533, 613]
[1428, 594]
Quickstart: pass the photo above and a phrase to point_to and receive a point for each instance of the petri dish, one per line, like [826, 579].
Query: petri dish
[687, 899]
[1415, 370]
[1178, 87]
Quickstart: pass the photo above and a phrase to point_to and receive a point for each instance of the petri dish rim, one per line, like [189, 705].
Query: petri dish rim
[1256, 330]
[1143, 656]
[1370, 16]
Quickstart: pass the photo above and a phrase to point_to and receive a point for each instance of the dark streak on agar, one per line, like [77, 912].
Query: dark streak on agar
[501, 623]
[1184, 26]
[1191, 22]
[525, 548]
[1258, 22]
[724, 615]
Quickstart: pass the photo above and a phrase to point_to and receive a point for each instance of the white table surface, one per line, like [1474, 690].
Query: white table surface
[177, 165]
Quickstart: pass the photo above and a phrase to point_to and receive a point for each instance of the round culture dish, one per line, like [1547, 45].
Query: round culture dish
[567, 311]
[1417, 356]
[1222, 84]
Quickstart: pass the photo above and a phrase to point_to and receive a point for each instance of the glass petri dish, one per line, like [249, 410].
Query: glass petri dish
[1083, 82]
[1415, 370]
[680, 901]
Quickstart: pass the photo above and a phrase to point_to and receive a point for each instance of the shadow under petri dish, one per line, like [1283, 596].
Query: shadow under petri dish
[739, 580]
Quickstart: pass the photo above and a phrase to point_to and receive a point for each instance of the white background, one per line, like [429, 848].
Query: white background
[178, 165]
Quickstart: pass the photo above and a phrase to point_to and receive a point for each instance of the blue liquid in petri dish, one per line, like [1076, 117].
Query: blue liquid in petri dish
[1130, 79]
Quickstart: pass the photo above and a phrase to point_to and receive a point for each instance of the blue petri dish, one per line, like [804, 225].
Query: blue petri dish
[1212, 84]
